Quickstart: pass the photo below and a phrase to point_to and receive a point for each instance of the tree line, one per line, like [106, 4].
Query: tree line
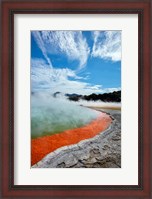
[105, 97]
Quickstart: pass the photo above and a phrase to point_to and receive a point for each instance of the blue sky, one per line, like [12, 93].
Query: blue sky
[82, 62]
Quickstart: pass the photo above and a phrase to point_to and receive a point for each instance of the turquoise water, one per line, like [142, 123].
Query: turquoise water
[52, 115]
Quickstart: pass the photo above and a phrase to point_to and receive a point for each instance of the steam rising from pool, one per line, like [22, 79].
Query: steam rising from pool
[51, 115]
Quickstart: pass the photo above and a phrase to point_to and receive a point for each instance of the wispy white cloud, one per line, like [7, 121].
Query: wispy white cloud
[107, 45]
[52, 80]
[109, 90]
[43, 76]
[41, 44]
[70, 43]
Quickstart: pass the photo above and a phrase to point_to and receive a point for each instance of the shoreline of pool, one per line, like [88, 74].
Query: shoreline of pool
[103, 150]
[42, 146]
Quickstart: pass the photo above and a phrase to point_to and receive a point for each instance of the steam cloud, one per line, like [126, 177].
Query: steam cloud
[53, 115]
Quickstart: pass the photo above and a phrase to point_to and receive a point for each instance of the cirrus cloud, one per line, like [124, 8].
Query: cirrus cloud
[107, 45]
[52, 80]
[70, 43]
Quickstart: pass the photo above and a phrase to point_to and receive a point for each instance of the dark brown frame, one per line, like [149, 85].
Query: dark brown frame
[11, 7]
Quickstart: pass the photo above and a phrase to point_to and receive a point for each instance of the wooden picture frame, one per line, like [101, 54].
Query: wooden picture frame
[9, 9]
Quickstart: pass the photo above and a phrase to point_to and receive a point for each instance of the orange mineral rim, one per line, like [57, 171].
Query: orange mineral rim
[42, 146]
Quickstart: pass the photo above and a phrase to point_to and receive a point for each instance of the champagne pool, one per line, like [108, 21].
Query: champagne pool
[59, 122]
[57, 115]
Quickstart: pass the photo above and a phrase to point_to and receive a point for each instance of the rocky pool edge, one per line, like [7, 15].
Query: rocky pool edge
[101, 151]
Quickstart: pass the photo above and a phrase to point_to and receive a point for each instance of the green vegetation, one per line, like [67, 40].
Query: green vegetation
[106, 97]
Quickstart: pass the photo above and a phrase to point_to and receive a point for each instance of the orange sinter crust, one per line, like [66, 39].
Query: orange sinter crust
[42, 146]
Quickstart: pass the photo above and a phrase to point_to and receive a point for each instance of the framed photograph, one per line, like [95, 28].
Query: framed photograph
[75, 99]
